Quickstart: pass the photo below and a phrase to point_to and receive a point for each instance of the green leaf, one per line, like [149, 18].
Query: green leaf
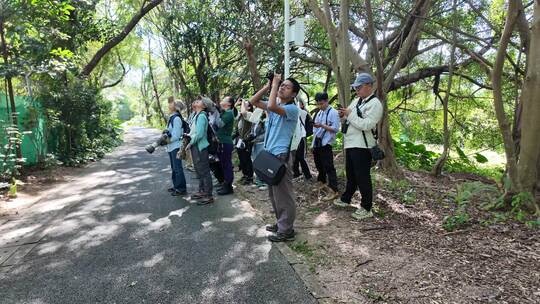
[480, 158]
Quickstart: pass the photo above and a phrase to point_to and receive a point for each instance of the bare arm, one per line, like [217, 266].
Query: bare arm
[256, 99]
[272, 101]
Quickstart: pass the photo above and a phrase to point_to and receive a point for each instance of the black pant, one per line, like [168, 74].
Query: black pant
[300, 159]
[324, 161]
[244, 156]
[216, 169]
[358, 169]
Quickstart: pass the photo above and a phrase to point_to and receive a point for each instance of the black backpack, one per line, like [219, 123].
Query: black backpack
[185, 125]
[213, 141]
[308, 125]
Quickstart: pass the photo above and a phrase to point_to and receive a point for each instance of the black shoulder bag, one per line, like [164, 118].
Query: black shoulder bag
[376, 152]
[269, 167]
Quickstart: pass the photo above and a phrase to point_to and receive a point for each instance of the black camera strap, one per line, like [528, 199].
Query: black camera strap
[327, 112]
[359, 113]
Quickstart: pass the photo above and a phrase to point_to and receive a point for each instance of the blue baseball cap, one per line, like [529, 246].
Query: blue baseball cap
[362, 78]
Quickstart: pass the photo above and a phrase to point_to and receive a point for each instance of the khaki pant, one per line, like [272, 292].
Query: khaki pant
[282, 199]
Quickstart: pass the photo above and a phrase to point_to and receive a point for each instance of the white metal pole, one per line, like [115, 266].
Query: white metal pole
[286, 42]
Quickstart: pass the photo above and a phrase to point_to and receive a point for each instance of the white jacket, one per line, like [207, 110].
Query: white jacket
[372, 112]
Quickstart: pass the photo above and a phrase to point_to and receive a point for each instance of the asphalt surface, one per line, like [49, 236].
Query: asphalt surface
[114, 235]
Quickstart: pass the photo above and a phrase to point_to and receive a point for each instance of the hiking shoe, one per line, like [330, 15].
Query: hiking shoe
[196, 196]
[206, 200]
[178, 193]
[339, 203]
[281, 237]
[332, 195]
[272, 228]
[225, 190]
[361, 214]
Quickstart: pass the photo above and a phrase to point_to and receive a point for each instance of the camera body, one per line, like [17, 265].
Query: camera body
[163, 140]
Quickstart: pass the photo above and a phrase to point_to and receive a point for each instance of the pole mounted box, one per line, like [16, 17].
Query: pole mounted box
[297, 31]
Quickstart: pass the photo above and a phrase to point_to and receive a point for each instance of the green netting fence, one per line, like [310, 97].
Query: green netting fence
[35, 144]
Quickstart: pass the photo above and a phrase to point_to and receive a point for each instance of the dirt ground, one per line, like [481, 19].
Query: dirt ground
[403, 255]
[32, 185]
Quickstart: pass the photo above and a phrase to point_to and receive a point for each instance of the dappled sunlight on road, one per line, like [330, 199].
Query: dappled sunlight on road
[118, 227]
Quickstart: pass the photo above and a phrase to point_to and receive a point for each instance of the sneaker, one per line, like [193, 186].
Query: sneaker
[262, 187]
[272, 228]
[361, 214]
[171, 189]
[341, 204]
[332, 195]
[281, 237]
[206, 200]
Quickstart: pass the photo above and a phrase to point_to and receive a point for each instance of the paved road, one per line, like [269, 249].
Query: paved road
[114, 235]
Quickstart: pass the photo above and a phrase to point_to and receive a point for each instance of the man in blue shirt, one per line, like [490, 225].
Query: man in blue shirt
[325, 127]
[282, 117]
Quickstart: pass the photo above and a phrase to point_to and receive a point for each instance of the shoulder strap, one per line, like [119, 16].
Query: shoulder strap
[359, 113]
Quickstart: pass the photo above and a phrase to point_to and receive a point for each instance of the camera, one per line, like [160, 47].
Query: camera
[162, 141]
[317, 143]
[344, 127]
[270, 75]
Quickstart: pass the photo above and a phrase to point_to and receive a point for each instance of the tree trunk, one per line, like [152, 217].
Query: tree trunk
[154, 85]
[252, 64]
[389, 163]
[118, 38]
[437, 168]
[530, 143]
[9, 85]
[498, 103]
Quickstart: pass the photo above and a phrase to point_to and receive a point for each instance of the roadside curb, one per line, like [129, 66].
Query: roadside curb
[296, 261]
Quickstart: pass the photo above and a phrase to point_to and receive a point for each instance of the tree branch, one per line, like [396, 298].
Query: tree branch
[118, 38]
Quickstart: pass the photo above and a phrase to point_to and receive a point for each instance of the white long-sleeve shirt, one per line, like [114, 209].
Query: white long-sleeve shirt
[372, 112]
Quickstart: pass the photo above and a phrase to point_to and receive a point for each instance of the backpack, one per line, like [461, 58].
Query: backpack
[211, 137]
[308, 125]
[185, 125]
[213, 141]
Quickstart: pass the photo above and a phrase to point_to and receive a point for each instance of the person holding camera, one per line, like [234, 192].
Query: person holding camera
[174, 127]
[198, 146]
[325, 127]
[257, 118]
[359, 121]
[282, 119]
[300, 151]
[226, 147]
[244, 142]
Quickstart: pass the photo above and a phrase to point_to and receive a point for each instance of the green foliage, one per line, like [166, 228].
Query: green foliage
[457, 221]
[80, 121]
[10, 138]
[414, 156]
[467, 194]
[303, 248]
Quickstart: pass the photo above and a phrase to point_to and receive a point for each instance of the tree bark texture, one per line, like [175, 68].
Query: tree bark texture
[498, 102]
[530, 99]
